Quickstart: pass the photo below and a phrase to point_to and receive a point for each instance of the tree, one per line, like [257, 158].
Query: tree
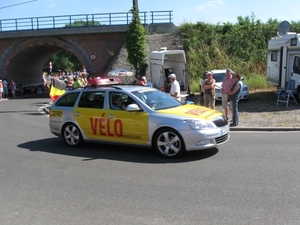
[65, 61]
[82, 23]
[135, 43]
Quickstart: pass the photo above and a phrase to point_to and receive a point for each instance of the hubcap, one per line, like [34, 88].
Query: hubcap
[71, 135]
[169, 144]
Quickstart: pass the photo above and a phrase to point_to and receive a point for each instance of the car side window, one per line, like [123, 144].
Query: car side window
[67, 100]
[119, 101]
[94, 99]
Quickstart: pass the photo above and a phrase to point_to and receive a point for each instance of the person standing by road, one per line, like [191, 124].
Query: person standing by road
[77, 83]
[226, 86]
[5, 88]
[1, 89]
[234, 97]
[70, 83]
[143, 81]
[175, 87]
[80, 81]
[13, 88]
[209, 91]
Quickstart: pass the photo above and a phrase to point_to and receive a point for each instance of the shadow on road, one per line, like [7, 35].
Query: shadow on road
[93, 151]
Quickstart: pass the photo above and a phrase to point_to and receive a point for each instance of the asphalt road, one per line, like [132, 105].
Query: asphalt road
[252, 179]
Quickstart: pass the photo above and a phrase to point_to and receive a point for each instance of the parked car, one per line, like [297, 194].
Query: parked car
[151, 118]
[219, 76]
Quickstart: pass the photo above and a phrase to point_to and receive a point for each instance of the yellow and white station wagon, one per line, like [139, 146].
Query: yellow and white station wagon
[136, 115]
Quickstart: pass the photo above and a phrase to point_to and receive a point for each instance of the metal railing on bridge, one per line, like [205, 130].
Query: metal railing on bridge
[83, 20]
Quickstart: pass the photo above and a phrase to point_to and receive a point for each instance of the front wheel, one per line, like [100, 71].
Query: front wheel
[168, 143]
[72, 135]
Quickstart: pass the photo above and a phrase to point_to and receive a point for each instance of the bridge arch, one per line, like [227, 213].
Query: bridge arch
[29, 56]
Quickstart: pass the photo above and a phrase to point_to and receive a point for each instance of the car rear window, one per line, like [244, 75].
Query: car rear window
[93, 99]
[219, 77]
[67, 100]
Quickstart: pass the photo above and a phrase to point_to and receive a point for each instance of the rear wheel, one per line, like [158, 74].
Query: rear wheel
[168, 143]
[72, 135]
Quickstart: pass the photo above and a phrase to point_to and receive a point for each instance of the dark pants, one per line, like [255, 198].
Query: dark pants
[235, 112]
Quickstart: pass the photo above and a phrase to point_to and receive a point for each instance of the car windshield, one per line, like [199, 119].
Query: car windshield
[219, 77]
[156, 99]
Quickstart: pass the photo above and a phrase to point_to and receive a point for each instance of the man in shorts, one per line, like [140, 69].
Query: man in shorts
[175, 87]
[226, 86]
[209, 91]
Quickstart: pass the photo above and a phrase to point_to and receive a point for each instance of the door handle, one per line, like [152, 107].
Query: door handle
[111, 116]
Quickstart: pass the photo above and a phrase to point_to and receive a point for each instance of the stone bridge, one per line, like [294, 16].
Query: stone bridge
[23, 53]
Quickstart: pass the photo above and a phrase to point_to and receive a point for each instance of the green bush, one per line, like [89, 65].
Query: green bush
[242, 46]
[194, 85]
[255, 82]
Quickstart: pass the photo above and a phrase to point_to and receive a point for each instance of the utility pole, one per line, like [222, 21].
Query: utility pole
[135, 5]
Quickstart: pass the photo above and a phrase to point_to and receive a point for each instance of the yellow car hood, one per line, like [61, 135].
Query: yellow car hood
[192, 111]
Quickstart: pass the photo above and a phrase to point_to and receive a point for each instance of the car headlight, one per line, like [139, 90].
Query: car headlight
[218, 90]
[199, 124]
[245, 88]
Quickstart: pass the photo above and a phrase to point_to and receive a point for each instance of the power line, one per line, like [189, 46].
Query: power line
[18, 4]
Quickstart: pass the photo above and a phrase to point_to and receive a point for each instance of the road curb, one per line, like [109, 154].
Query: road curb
[46, 108]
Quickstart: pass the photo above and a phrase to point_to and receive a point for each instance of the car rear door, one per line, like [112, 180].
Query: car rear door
[106, 124]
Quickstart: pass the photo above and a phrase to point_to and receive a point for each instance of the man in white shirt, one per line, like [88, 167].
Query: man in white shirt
[175, 87]
[5, 88]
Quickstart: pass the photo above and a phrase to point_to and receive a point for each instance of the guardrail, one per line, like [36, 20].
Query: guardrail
[83, 20]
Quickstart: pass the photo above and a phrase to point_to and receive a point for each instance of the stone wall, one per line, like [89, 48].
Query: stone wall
[154, 42]
[23, 58]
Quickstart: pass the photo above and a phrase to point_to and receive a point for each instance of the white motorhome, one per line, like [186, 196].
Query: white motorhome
[284, 58]
[165, 62]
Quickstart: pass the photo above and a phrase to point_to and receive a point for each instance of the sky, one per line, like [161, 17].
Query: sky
[186, 11]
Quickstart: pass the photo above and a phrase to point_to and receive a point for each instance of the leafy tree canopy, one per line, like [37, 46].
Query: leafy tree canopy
[64, 61]
[82, 23]
[135, 44]
[242, 46]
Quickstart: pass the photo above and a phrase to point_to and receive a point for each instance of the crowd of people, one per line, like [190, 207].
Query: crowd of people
[9, 88]
[230, 94]
[12, 89]
[73, 79]
[230, 88]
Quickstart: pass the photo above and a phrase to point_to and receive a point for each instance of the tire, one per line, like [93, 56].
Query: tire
[246, 99]
[168, 143]
[72, 135]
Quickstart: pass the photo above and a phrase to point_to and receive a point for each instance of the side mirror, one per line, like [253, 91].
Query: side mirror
[133, 108]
